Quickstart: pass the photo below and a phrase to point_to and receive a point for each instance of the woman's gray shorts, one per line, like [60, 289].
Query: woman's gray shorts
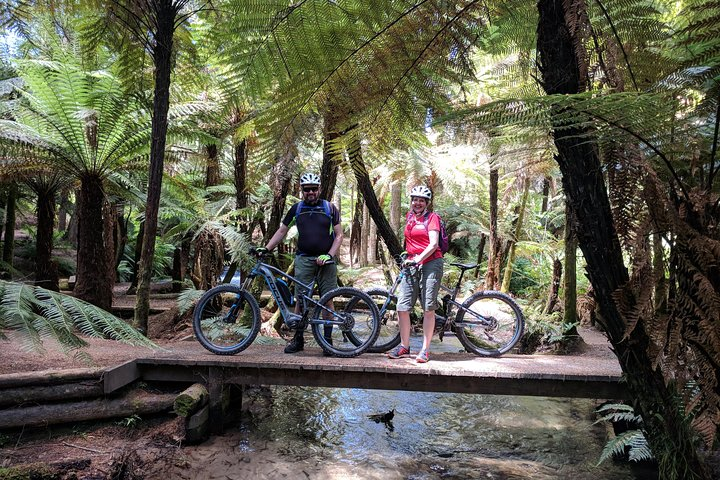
[427, 287]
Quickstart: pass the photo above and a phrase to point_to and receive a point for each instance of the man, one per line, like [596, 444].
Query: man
[320, 234]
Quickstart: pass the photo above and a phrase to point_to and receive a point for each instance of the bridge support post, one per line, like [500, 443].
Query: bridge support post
[225, 399]
[215, 390]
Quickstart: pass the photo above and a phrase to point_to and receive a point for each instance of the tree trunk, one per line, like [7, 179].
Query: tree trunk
[110, 219]
[363, 257]
[240, 178]
[545, 194]
[212, 170]
[132, 289]
[666, 428]
[518, 230]
[93, 284]
[554, 287]
[372, 244]
[190, 400]
[661, 281]
[480, 251]
[162, 59]
[9, 241]
[570, 286]
[3, 200]
[331, 158]
[356, 231]
[46, 272]
[492, 275]
[368, 192]
[395, 206]
[281, 181]
[135, 403]
[63, 210]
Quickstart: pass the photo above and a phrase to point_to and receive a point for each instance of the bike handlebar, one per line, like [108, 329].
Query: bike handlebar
[260, 252]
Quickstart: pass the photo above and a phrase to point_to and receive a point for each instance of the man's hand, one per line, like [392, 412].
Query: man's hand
[323, 259]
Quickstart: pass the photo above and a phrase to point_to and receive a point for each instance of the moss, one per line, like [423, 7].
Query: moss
[29, 471]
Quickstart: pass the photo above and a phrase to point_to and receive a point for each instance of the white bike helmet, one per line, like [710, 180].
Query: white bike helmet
[309, 179]
[421, 191]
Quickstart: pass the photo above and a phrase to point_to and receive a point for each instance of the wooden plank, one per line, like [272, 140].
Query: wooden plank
[118, 377]
[49, 377]
[410, 379]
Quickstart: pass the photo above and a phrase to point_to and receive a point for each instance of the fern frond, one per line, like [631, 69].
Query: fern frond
[39, 314]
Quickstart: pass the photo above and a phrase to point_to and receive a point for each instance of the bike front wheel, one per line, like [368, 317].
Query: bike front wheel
[489, 323]
[354, 318]
[226, 319]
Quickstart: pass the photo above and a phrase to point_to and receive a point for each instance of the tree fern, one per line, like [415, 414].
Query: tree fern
[37, 315]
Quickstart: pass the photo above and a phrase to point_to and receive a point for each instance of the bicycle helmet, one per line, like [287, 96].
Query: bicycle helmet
[309, 179]
[421, 191]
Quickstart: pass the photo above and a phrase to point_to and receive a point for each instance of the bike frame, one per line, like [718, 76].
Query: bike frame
[268, 273]
[448, 300]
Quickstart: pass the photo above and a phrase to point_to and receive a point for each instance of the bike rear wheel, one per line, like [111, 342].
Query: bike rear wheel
[359, 316]
[226, 319]
[389, 334]
[489, 323]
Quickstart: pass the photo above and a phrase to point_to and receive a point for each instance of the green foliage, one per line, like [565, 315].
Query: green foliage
[631, 442]
[37, 315]
[131, 422]
[187, 299]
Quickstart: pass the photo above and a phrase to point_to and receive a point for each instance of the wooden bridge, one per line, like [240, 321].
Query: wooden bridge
[594, 374]
[583, 376]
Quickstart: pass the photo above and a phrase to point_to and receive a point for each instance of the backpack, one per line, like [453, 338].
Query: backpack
[327, 210]
[443, 239]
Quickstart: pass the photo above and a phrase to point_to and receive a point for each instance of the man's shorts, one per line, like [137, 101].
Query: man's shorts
[426, 287]
[305, 270]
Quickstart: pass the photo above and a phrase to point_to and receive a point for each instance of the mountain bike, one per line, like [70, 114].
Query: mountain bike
[227, 319]
[488, 323]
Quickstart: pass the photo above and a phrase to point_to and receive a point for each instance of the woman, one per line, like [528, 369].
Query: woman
[422, 234]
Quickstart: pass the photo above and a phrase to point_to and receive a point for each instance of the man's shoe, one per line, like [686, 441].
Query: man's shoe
[297, 344]
[325, 352]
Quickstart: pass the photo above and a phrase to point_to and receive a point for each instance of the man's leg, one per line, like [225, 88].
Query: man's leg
[304, 271]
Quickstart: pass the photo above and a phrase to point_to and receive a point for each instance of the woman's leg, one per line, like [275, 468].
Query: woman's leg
[428, 328]
[404, 324]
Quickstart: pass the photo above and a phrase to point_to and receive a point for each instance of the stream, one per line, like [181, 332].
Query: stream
[327, 433]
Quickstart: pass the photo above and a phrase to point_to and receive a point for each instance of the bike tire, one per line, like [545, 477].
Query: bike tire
[362, 329]
[389, 334]
[219, 327]
[508, 324]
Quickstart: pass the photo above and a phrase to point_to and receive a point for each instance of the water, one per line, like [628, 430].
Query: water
[314, 433]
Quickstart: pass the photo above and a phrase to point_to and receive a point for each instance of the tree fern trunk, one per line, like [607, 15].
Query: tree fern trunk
[365, 236]
[282, 176]
[46, 273]
[493, 268]
[518, 229]
[356, 231]
[164, 13]
[395, 206]
[330, 163]
[212, 168]
[584, 186]
[9, 239]
[93, 284]
[570, 284]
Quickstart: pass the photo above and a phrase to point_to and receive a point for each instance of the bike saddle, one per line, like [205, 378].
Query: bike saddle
[464, 266]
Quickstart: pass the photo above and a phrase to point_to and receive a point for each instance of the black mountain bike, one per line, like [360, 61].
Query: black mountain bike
[488, 323]
[227, 319]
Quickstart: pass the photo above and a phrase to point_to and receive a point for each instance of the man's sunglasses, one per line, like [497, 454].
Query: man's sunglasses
[310, 189]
